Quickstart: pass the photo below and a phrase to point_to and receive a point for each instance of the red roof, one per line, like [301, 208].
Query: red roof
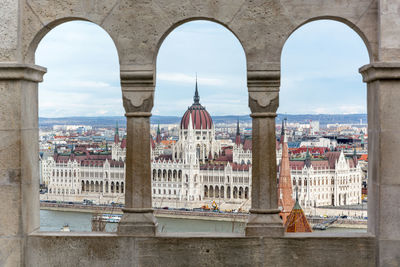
[297, 221]
[248, 145]
[123, 143]
[201, 119]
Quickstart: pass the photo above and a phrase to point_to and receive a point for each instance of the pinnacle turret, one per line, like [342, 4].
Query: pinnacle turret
[196, 98]
[237, 140]
[116, 135]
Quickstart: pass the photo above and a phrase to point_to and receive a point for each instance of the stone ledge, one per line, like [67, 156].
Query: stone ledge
[380, 71]
[19, 71]
[112, 250]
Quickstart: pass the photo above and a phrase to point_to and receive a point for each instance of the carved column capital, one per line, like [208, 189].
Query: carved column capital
[263, 86]
[380, 71]
[137, 92]
[19, 71]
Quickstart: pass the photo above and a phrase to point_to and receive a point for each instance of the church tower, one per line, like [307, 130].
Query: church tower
[285, 191]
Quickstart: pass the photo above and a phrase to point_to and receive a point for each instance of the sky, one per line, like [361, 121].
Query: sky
[319, 61]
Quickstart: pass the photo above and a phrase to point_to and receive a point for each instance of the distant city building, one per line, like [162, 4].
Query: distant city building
[196, 168]
[200, 170]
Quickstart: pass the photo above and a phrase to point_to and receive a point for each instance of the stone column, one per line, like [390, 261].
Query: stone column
[137, 93]
[19, 162]
[263, 89]
[383, 95]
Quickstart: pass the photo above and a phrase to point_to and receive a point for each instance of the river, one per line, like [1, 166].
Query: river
[81, 222]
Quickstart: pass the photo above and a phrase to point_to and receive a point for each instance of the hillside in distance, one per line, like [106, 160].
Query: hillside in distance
[110, 121]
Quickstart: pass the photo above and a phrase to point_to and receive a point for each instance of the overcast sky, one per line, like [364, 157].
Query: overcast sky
[320, 64]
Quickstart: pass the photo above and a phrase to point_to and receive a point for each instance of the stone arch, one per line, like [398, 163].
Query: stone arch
[176, 24]
[45, 29]
[211, 192]
[216, 194]
[205, 191]
[368, 43]
[222, 192]
[246, 193]
[228, 192]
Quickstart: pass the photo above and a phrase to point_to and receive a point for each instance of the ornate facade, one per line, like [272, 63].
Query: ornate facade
[200, 170]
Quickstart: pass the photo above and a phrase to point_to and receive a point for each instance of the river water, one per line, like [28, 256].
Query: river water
[81, 222]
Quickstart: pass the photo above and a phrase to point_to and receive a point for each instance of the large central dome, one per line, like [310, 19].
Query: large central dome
[201, 119]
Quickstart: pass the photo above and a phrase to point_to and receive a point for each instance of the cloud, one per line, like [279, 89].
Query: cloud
[319, 71]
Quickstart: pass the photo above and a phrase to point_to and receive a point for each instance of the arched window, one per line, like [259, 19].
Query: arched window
[240, 192]
[246, 193]
[235, 192]
[228, 192]
[154, 175]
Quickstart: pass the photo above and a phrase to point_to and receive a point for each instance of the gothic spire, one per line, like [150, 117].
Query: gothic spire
[308, 158]
[196, 97]
[283, 130]
[285, 190]
[237, 140]
[158, 137]
[116, 135]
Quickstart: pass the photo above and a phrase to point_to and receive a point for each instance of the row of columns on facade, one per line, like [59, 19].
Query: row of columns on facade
[219, 192]
[138, 93]
[107, 187]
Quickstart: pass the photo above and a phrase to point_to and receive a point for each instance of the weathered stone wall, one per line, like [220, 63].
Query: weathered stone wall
[110, 250]
[138, 28]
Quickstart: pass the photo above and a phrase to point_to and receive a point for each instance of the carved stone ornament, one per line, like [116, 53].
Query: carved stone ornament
[137, 101]
[263, 102]
[137, 90]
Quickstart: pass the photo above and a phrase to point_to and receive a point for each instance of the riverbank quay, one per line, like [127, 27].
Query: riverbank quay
[193, 215]
[183, 214]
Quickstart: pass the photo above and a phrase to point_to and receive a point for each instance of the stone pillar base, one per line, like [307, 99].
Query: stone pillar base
[137, 222]
[264, 223]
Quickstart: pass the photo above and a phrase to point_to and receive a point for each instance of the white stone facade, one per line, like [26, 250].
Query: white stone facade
[324, 186]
